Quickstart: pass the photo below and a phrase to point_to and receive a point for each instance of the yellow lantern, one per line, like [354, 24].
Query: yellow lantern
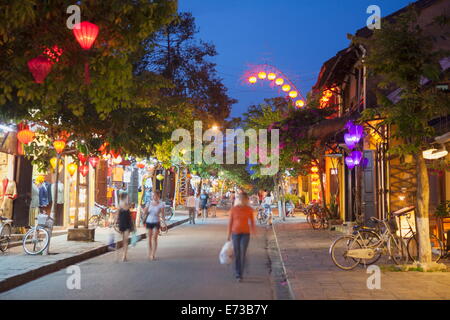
[279, 81]
[314, 169]
[59, 145]
[315, 176]
[315, 183]
[53, 162]
[271, 76]
[40, 179]
[299, 103]
[160, 177]
[262, 75]
[72, 168]
[252, 79]
[286, 88]
[293, 94]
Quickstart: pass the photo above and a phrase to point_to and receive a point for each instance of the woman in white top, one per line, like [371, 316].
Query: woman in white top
[153, 212]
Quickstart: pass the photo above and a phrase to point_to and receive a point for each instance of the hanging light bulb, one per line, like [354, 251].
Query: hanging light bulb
[271, 76]
[252, 79]
[262, 75]
[279, 81]
[299, 103]
[286, 88]
[293, 94]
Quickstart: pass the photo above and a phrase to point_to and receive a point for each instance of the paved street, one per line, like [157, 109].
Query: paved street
[313, 275]
[187, 267]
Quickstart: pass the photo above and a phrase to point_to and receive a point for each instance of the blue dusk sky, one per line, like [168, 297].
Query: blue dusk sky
[296, 36]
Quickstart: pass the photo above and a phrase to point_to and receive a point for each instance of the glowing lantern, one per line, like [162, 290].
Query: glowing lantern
[40, 179]
[25, 135]
[72, 168]
[141, 165]
[262, 75]
[114, 153]
[354, 159]
[299, 103]
[53, 162]
[315, 183]
[293, 94]
[252, 79]
[286, 88]
[118, 160]
[314, 176]
[160, 177]
[314, 169]
[39, 67]
[271, 76]
[84, 170]
[279, 81]
[85, 33]
[194, 172]
[59, 145]
[82, 157]
[94, 161]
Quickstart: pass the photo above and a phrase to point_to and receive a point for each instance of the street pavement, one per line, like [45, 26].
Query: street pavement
[312, 274]
[187, 267]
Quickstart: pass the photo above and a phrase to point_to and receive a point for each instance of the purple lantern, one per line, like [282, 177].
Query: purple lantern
[349, 162]
[354, 159]
[349, 141]
[354, 134]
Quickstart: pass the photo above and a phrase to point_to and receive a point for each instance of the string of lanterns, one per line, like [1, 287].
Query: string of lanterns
[352, 138]
[277, 79]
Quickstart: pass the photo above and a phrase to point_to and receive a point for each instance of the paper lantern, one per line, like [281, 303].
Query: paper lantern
[84, 170]
[94, 161]
[314, 176]
[314, 169]
[286, 88]
[160, 177]
[53, 162]
[299, 103]
[72, 168]
[39, 67]
[85, 33]
[252, 79]
[271, 76]
[59, 145]
[25, 135]
[82, 157]
[293, 94]
[279, 81]
[140, 165]
[262, 75]
[117, 160]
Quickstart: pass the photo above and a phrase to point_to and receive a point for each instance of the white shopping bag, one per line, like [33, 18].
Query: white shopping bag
[226, 254]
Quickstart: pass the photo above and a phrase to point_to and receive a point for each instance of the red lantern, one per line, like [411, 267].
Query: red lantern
[40, 67]
[84, 170]
[25, 135]
[114, 153]
[82, 158]
[94, 161]
[140, 165]
[85, 33]
[59, 145]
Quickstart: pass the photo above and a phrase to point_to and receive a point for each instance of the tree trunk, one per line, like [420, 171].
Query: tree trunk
[422, 217]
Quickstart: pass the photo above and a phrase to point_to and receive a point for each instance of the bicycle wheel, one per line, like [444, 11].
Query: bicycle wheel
[370, 239]
[315, 220]
[397, 250]
[339, 250]
[35, 241]
[5, 235]
[437, 249]
[94, 221]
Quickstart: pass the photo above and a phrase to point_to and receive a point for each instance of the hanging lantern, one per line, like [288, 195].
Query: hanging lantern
[84, 170]
[286, 88]
[252, 79]
[82, 157]
[349, 162]
[85, 33]
[314, 169]
[262, 75]
[114, 153]
[117, 160]
[160, 177]
[39, 67]
[94, 161]
[59, 145]
[315, 183]
[140, 165]
[54, 161]
[293, 94]
[72, 168]
[271, 76]
[279, 81]
[315, 176]
[25, 135]
[299, 103]
[194, 172]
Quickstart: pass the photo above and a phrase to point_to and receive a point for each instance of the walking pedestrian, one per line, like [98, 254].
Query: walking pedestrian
[153, 212]
[190, 205]
[214, 202]
[126, 224]
[204, 204]
[241, 224]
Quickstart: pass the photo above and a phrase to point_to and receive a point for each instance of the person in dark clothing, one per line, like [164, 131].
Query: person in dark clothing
[204, 204]
[125, 223]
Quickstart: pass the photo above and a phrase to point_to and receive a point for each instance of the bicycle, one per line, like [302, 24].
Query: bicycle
[100, 216]
[5, 233]
[36, 240]
[366, 245]
[264, 214]
[317, 217]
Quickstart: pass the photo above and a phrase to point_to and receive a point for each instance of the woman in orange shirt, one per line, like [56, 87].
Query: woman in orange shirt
[242, 223]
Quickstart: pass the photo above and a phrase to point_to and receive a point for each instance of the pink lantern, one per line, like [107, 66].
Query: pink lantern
[40, 67]
[94, 161]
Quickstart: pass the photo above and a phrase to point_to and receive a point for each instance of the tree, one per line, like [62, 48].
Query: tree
[401, 54]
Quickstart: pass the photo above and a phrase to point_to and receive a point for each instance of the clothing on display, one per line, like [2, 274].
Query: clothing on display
[9, 194]
[60, 199]
[43, 196]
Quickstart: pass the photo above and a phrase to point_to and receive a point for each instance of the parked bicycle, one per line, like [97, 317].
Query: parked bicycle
[101, 216]
[5, 233]
[36, 240]
[366, 245]
[316, 216]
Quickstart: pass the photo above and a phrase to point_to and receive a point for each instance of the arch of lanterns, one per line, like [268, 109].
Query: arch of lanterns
[277, 80]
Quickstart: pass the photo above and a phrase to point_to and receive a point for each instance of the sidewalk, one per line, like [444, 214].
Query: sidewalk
[312, 274]
[17, 268]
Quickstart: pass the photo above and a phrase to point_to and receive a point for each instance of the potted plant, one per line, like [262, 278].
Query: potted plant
[334, 211]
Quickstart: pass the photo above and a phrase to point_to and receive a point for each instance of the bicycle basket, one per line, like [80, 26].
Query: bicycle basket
[45, 221]
[392, 223]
